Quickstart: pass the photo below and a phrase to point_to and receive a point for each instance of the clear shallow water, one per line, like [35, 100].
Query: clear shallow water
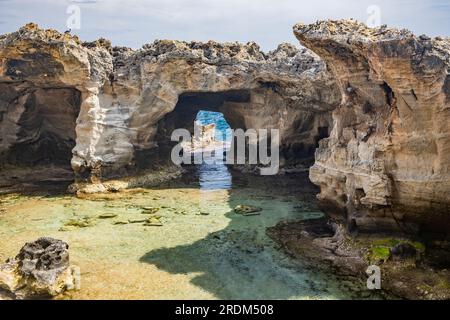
[203, 250]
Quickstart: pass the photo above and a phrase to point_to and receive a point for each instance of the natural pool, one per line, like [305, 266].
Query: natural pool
[203, 250]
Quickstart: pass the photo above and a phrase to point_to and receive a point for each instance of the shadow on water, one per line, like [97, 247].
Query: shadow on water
[241, 261]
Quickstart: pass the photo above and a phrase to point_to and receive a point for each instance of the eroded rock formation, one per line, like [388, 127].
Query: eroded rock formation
[162, 87]
[127, 102]
[386, 164]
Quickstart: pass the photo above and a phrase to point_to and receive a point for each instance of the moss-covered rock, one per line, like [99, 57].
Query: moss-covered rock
[378, 254]
[381, 249]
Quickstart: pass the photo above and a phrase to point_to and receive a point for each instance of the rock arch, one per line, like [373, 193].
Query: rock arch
[288, 89]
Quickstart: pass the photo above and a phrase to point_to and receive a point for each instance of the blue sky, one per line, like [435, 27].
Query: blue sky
[268, 22]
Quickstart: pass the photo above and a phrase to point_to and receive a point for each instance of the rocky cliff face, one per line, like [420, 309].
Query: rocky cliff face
[115, 108]
[47, 80]
[386, 164]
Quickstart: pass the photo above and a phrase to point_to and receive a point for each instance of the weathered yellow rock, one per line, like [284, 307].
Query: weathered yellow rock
[10, 279]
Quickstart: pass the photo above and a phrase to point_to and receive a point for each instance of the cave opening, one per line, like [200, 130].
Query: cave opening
[223, 104]
[240, 109]
[190, 104]
[223, 110]
[44, 135]
[47, 128]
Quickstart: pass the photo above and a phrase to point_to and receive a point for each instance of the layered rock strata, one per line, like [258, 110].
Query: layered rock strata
[386, 164]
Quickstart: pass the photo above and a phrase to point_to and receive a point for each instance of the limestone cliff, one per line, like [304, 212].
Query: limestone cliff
[386, 164]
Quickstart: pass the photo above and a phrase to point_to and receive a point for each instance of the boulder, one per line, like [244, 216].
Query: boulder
[40, 269]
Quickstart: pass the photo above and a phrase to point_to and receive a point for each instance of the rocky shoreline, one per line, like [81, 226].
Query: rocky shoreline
[326, 244]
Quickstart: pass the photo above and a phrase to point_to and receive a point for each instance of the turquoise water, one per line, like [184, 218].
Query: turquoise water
[222, 127]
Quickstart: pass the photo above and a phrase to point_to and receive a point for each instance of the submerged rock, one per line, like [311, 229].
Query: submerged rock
[107, 215]
[154, 222]
[119, 222]
[245, 209]
[149, 210]
[81, 222]
[137, 220]
[40, 269]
